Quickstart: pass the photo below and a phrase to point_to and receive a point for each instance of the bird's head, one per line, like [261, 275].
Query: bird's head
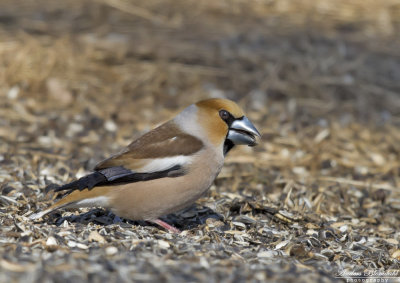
[224, 121]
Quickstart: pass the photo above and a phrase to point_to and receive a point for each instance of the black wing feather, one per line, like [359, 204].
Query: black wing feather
[88, 181]
[117, 176]
[114, 173]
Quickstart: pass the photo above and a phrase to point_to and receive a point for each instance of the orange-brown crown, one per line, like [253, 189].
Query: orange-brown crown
[209, 117]
[217, 104]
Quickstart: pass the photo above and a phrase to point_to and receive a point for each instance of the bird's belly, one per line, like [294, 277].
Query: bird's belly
[152, 199]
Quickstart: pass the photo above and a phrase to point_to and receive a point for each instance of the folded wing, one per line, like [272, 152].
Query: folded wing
[163, 152]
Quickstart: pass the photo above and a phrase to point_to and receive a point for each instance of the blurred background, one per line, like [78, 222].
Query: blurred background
[80, 79]
[76, 66]
[113, 57]
[99, 73]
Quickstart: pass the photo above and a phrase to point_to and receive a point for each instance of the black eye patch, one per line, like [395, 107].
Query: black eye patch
[227, 117]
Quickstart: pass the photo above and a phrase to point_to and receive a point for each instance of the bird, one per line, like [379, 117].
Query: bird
[165, 170]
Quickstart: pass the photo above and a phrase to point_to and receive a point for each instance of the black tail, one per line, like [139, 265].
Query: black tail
[116, 176]
[86, 182]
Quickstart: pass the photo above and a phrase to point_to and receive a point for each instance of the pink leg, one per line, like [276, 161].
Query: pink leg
[166, 226]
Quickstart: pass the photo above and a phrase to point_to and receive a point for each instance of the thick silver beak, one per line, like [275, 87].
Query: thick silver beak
[242, 131]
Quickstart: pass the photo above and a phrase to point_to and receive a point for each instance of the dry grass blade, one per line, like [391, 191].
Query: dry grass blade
[130, 8]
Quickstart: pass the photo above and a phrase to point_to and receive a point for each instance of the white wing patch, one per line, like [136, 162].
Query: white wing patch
[92, 202]
[161, 164]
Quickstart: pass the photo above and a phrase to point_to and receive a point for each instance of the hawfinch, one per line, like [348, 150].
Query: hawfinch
[166, 169]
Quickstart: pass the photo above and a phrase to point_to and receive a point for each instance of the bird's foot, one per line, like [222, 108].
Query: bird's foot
[166, 226]
[117, 219]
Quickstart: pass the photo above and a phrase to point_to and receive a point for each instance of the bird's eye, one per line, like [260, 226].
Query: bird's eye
[224, 115]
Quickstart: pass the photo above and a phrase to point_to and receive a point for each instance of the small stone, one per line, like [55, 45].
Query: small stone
[281, 245]
[82, 246]
[298, 250]
[13, 92]
[396, 254]
[94, 236]
[110, 251]
[58, 90]
[163, 244]
[110, 126]
[51, 244]
[239, 224]
[267, 254]
[392, 241]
